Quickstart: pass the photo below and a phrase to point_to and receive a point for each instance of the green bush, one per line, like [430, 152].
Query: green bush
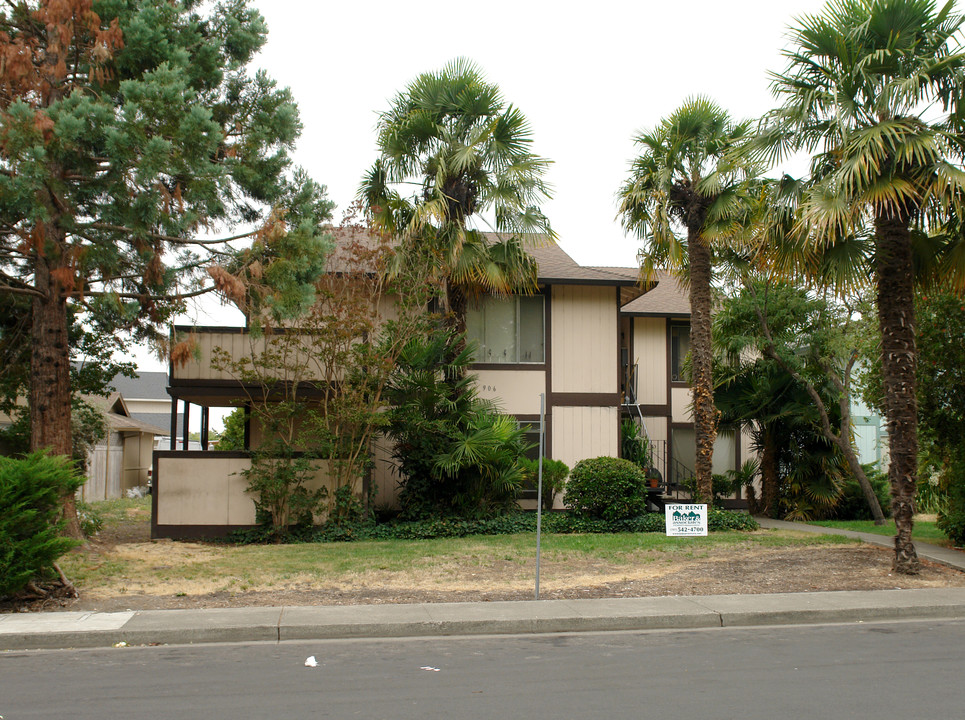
[606, 488]
[852, 504]
[634, 446]
[554, 477]
[951, 518]
[31, 491]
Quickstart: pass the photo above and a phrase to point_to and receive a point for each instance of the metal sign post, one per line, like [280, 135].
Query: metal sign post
[539, 488]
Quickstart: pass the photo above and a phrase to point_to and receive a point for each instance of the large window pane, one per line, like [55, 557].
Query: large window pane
[508, 330]
[679, 347]
[476, 331]
[500, 330]
[531, 335]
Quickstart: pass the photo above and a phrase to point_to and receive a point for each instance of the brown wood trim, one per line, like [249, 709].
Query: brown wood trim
[154, 492]
[509, 366]
[619, 382]
[682, 318]
[669, 396]
[586, 399]
[193, 532]
[167, 454]
[233, 330]
[615, 282]
[656, 410]
[548, 380]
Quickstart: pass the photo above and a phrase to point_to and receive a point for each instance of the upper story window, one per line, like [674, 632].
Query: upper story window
[508, 329]
[679, 347]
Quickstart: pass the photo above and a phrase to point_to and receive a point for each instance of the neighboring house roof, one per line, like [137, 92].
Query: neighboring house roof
[119, 417]
[162, 420]
[146, 386]
[123, 423]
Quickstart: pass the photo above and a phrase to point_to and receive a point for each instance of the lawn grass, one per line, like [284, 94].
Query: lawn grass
[239, 567]
[924, 530]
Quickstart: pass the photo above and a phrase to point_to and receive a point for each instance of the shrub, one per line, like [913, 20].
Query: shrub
[606, 488]
[951, 518]
[31, 493]
[508, 524]
[634, 446]
[456, 454]
[852, 504]
[554, 477]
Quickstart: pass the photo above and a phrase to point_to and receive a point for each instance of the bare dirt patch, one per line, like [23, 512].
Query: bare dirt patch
[720, 570]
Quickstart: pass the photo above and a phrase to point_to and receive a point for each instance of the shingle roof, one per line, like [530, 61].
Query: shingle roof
[123, 423]
[146, 386]
[668, 297]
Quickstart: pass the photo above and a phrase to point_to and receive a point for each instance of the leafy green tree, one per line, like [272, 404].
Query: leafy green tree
[315, 376]
[131, 131]
[233, 435]
[684, 194]
[786, 362]
[873, 90]
[451, 134]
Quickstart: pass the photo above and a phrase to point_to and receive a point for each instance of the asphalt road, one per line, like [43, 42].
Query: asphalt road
[881, 671]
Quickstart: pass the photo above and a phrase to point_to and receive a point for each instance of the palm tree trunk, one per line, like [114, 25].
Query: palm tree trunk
[896, 319]
[705, 413]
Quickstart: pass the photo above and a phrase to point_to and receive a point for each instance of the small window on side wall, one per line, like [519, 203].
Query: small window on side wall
[508, 329]
[679, 348]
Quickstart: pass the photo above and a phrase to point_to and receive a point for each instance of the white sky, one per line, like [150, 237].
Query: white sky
[588, 79]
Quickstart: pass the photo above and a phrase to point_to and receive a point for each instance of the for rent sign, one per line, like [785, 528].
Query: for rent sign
[686, 520]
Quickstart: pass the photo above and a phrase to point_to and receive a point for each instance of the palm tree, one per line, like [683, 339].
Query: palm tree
[873, 91]
[451, 134]
[686, 179]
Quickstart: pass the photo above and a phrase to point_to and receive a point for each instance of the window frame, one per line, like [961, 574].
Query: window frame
[676, 368]
[516, 362]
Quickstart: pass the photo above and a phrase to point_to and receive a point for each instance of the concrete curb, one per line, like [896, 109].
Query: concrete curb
[91, 630]
[53, 630]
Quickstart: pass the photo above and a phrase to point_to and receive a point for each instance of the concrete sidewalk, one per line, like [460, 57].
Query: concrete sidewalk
[20, 631]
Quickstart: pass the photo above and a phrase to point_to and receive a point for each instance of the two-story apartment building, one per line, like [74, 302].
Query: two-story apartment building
[591, 340]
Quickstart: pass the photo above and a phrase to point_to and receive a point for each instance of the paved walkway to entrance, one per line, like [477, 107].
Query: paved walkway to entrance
[935, 553]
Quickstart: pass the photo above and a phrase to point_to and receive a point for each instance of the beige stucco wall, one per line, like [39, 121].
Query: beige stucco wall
[657, 428]
[584, 339]
[584, 432]
[650, 356]
[210, 490]
[515, 391]
[680, 400]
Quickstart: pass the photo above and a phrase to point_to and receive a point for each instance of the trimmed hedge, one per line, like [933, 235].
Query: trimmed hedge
[511, 524]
